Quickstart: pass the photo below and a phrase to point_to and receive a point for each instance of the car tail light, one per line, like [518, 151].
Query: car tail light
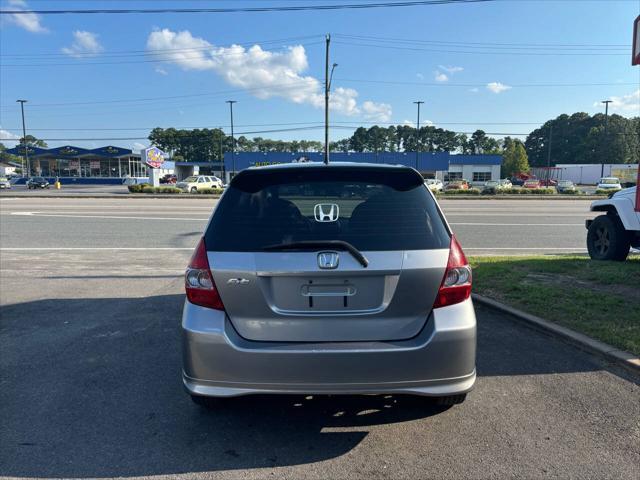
[199, 284]
[456, 284]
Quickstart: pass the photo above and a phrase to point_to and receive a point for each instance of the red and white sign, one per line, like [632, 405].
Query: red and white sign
[635, 56]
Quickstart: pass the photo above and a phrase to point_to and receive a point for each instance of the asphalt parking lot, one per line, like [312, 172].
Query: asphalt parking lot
[90, 381]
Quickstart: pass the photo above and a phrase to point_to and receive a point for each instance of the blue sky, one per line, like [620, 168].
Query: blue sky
[106, 76]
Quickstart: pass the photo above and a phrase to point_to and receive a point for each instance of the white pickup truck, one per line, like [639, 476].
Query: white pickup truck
[610, 236]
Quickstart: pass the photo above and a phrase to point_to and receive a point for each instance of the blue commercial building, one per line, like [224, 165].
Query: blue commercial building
[442, 165]
[103, 165]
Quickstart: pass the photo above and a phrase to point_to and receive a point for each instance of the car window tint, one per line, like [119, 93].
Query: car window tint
[373, 212]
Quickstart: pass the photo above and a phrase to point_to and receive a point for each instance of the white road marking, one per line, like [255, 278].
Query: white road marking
[521, 224]
[98, 249]
[202, 219]
[106, 249]
[119, 217]
[580, 249]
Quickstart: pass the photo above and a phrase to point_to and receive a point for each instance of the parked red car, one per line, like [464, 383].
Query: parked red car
[549, 182]
[532, 183]
[169, 178]
[457, 185]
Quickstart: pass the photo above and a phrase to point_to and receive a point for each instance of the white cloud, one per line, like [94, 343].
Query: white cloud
[450, 69]
[412, 124]
[265, 74]
[379, 112]
[85, 44]
[8, 139]
[161, 71]
[625, 104]
[419, 76]
[440, 77]
[29, 21]
[497, 87]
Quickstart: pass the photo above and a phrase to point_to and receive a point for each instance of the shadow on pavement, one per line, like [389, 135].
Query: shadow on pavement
[92, 388]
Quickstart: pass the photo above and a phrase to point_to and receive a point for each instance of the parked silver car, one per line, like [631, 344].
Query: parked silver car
[328, 279]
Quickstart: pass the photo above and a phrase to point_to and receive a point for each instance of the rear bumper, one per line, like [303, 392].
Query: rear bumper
[439, 361]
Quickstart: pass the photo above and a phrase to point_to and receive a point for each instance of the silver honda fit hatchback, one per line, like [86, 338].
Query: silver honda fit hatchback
[328, 279]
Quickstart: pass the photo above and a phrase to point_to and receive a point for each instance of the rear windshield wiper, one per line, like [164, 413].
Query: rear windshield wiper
[317, 244]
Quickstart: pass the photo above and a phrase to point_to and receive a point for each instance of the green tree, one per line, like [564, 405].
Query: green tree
[514, 158]
[33, 142]
[581, 138]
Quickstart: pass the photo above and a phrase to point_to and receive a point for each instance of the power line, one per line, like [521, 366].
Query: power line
[295, 85]
[413, 41]
[276, 87]
[281, 130]
[443, 84]
[218, 126]
[127, 53]
[158, 58]
[282, 8]
[476, 52]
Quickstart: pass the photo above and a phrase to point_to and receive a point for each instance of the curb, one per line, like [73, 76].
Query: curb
[519, 197]
[620, 357]
[113, 195]
[192, 197]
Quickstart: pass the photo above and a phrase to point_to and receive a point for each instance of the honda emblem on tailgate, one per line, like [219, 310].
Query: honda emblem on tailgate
[326, 212]
[328, 260]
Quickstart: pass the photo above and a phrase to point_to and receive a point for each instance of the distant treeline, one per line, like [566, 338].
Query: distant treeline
[577, 138]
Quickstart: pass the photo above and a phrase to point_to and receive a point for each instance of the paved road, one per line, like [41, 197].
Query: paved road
[90, 368]
[90, 387]
[496, 227]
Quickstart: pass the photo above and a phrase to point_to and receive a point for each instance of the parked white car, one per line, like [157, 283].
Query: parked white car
[199, 182]
[609, 183]
[434, 184]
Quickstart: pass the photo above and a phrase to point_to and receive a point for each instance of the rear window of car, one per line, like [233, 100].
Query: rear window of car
[374, 209]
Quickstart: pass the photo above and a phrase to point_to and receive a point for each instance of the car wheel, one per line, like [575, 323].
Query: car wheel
[207, 402]
[193, 190]
[451, 400]
[607, 239]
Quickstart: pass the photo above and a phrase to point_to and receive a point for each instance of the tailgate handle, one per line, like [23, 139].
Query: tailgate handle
[339, 290]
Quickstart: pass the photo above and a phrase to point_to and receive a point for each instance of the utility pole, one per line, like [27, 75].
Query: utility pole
[327, 86]
[419, 102]
[233, 140]
[25, 157]
[606, 128]
[549, 154]
[222, 153]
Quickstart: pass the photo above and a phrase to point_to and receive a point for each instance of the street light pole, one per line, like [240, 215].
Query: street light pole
[549, 155]
[233, 140]
[222, 153]
[327, 86]
[419, 102]
[25, 157]
[606, 125]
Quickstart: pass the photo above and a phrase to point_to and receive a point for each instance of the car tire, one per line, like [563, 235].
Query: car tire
[607, 239]
[451, 400]
[207, 402]
[193, 190]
